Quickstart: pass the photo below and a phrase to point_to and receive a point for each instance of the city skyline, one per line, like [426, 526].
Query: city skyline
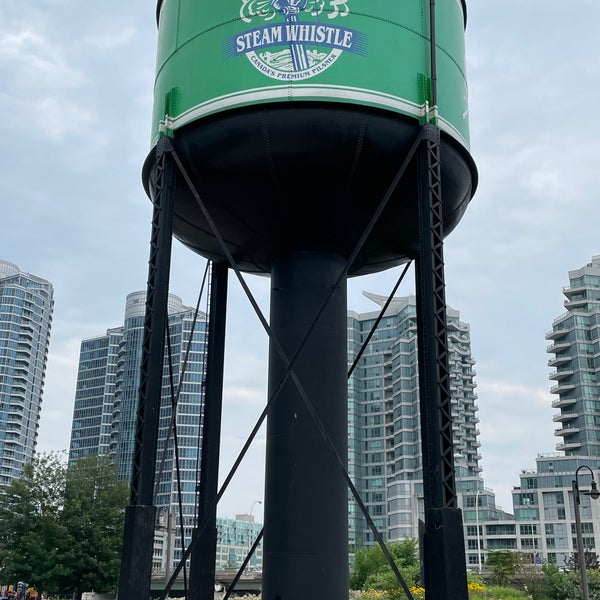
[78, 85]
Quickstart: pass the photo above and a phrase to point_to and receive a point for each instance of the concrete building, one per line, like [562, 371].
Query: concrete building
[575, 346]
[106, 398]
[384, 423]
[543, 525]
[26, 306]
[234, 540]
[543, 501]
[543, 506]
[385, 437]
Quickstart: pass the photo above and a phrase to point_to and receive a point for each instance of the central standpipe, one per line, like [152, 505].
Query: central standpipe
[305, 491]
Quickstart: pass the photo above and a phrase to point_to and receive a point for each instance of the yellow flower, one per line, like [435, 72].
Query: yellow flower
[476, 587]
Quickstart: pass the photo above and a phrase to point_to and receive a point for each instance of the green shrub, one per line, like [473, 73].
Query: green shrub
[498, 592]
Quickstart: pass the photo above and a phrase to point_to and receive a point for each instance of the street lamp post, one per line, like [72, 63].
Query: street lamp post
[253, 505]
[595, 494]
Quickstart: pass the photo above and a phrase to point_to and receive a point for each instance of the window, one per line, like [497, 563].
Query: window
[585, 528]
[528, 529]
[528, 499]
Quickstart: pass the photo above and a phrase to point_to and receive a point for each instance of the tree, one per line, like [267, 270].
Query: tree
[30, 530]
[503, 564]
[93, 517]
[371, 568]
[61, 528]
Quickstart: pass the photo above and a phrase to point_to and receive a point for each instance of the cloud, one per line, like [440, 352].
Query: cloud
[516, 425]
[59, 394]
[43, 83]
[35, 62]
[60, 119]
[110, 37]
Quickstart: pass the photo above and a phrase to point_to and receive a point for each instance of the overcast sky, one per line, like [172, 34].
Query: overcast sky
[76, 98]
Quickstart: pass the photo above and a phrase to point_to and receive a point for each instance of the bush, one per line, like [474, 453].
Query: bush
[558, 586]
[372, 571]
[495, 592]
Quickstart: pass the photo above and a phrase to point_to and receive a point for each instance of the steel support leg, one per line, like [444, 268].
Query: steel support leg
[202, 568]
[443, 551]
[136, 558]
[306, 519]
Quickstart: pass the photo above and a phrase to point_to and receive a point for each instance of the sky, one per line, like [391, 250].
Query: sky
[76, 101]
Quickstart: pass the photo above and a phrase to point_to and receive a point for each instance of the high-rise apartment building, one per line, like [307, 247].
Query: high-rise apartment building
[385, 459]
[543, 502]
[575, 338]
[385, 437]
[543, 526]
[106, 399]
[26, 305]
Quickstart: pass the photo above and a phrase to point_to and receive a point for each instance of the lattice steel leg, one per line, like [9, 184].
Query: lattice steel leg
[136, 559]
[444, 551]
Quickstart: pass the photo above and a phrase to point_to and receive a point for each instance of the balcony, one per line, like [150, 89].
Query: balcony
[559, 360]
[561, 388]
[558, 347]
[560, 417]
[568, 446]
[576, 289]
[562, 402]
[560, 373]
[557, 333]
[472, 438]
[575, 303]
[568, 430]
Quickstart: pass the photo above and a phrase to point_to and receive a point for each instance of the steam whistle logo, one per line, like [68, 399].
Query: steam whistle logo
[294, 39]
[290, 9]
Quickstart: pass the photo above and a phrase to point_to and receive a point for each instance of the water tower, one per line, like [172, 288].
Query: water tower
[311, 140]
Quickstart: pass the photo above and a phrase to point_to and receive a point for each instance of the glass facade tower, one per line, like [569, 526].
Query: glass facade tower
[385, 460]
[106, 399]
[26, 305]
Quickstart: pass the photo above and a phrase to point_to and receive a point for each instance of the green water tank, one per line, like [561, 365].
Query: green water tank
[293, 116]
